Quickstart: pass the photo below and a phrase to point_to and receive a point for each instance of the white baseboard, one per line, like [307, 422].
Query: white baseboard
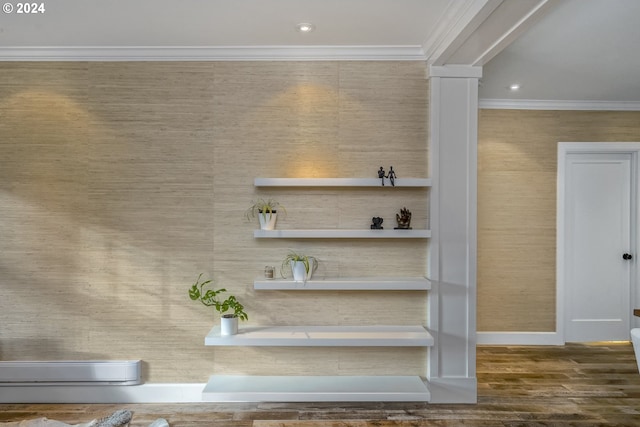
[453, 390]
[443, 390]
[145, 393]
[519, 338]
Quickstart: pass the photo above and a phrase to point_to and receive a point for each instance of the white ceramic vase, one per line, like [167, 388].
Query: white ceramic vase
[228, 325]
[267, 220]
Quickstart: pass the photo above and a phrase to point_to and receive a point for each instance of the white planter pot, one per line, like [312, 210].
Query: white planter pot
[228, 325]
[267, 220]
[299, 270]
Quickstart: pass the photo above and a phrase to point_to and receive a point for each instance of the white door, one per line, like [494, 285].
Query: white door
[598, 255]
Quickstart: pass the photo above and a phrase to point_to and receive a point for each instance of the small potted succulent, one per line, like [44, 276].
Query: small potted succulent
[210, 298]
[302, 266]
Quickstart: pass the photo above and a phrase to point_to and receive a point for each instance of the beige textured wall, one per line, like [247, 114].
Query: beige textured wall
[517, 161]
[121, 182]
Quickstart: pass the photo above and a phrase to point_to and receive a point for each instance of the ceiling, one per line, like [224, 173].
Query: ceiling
[557, 50]
[584, 50]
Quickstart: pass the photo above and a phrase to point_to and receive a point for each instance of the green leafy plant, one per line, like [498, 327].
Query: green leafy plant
[264, 207]
[308, 261]
[210, 298]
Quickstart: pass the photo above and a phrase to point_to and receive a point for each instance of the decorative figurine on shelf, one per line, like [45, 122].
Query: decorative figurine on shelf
[391, 176]
[377, 223]
[403, 219]
[381, 175]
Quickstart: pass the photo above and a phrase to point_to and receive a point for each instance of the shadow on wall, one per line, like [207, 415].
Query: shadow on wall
[80, 251]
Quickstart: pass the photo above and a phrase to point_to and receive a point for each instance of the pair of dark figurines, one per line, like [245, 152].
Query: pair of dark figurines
[391, 176]
[403, 219]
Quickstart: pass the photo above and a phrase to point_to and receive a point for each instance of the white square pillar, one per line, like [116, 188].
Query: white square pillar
[453, 251]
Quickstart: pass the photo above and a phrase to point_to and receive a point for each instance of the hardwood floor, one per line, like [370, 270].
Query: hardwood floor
[573, 385]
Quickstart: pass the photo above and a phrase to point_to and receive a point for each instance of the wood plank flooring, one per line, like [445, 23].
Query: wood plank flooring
[572, 385]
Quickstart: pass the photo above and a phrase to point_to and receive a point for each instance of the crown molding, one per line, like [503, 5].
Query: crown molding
[218, 53]
[542, 104]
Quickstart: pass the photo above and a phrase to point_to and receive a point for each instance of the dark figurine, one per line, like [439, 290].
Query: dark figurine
[391, 176]
[381, 175]
[403, 219]
[377, 223]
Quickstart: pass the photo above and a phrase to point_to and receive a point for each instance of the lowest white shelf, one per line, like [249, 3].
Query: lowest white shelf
[347, 284]
[323, 336]
[247, 388]
[341, 234]
[340, 182]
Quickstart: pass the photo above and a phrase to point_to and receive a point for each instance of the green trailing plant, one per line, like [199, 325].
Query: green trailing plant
[265, 208]
[211, 298]
[309, 262]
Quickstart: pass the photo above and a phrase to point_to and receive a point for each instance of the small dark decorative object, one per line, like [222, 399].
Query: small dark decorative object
[391, 176]
[377, 223]
[403, 219]
[381, 175]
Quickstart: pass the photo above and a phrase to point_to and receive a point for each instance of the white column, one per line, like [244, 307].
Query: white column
[452, 263]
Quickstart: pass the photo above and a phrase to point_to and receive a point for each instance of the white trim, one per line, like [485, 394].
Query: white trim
[145, 393]
[565, 148]
[519, 338]
[292, 388]
[453, 390]
[560, 249]
[219, 53]
[433, 258]
[549, 104]
[459, 71]
[512, 33]
[448, 28]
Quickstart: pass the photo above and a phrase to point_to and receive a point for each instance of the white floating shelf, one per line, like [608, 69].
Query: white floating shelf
[347, 284]
[340, 182]
[246, 388]
[323, 336]
[341, 234]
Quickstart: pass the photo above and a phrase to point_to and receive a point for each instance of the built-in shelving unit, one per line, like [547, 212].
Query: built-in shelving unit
[249, 388]
[340, 182]
[242, 388]
[323, 336]
[341, 234]
[346, 284]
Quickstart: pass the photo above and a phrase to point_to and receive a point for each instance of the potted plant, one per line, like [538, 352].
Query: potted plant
[267, 211]
[302, 266]
[211, 298]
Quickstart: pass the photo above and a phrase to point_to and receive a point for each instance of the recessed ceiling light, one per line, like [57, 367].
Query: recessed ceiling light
[514, 86]
[305, 27]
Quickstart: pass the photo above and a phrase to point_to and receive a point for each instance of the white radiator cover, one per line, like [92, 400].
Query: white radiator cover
[69, 372]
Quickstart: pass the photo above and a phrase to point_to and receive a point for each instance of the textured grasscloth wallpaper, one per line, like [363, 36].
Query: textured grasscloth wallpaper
[517, 161]
[121, 182]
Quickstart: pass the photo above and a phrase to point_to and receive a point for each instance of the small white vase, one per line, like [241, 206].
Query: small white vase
[228, 325]
[267, 220]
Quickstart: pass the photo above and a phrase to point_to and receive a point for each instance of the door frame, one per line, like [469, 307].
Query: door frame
[565, 148]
